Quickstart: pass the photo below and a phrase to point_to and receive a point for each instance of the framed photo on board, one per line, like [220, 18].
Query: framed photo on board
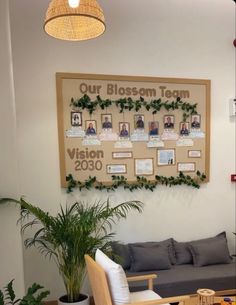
[139, 121]
[153, 127]
[184, 129]
[165, 157]
[90, 127]
[143, 167]
[76, 118]
[106, 121]
[124, 129]
[195, 121]
[169, 122]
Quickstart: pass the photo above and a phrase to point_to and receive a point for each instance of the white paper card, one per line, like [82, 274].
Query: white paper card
[122, 155]
[196, 134]
[186, 167]
[75, 132]
[108, 135]
[155, 141]
[116, 169]
[123, 143]
[170, 135]
[91, 140]
[139, 135]
[194, 153]
[184, 142]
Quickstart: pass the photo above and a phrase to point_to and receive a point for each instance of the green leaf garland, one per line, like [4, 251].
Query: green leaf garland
[140, 183]
[128, 104]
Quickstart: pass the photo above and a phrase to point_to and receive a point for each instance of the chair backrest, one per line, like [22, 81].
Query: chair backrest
[98, 281]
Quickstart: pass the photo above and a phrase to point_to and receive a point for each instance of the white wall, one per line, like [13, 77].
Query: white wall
[11, 258]
[169, 38]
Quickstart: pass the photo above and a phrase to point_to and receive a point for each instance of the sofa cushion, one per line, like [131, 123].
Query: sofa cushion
[182, 253]
[149, 258]
[210, 252]
[166, 243]
[116, 278]
[121, 254]
[182, 250]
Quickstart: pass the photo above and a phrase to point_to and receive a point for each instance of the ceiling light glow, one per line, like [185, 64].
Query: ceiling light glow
[73, 3]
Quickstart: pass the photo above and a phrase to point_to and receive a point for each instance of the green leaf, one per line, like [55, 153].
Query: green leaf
[10, 295]
[1, 298]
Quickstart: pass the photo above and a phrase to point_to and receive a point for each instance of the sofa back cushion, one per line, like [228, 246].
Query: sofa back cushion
[117, 281]
[210, 252]
[122, 254]
[168, 243]
[154, 257]
[184, 253]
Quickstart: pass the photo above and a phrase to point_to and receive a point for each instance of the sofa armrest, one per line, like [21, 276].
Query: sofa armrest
[148, 277]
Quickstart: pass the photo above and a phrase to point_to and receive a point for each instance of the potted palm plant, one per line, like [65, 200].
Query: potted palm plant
[76, 230]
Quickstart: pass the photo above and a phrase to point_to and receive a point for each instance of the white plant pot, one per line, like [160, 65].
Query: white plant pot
[85, 301]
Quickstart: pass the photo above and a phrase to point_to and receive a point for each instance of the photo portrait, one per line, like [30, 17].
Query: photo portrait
[124, 129]
[153, 128]
[195, 121]
[169, 121]
[90, 127]
[184, 129]
[76, 118]
[166, 157]
[139, 121]
[106, 121]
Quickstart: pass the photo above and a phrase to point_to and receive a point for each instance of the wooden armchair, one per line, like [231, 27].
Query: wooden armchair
[101, 291]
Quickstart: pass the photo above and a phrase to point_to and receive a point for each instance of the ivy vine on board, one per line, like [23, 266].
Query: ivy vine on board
[141, 182]
[128, 104]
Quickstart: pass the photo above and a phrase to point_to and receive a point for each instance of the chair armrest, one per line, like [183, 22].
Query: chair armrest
[148, 277]
[181, 298]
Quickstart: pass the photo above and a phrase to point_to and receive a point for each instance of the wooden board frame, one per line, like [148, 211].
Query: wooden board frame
[60, 77]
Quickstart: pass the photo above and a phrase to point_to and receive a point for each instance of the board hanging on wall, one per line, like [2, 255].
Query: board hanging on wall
[132, 126]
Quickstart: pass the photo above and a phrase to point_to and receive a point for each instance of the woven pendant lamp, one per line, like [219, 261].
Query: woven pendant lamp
[81, 23]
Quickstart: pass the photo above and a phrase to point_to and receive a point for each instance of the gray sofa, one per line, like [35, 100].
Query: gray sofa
[181, 267]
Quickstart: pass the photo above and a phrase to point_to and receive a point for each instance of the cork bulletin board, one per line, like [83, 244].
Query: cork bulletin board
[109, 141]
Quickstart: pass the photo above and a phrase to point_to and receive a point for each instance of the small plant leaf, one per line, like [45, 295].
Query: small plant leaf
[10, 295]
[1, 298]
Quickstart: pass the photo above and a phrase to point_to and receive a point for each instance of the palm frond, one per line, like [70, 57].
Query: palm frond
[9, 200]
[42, 216]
